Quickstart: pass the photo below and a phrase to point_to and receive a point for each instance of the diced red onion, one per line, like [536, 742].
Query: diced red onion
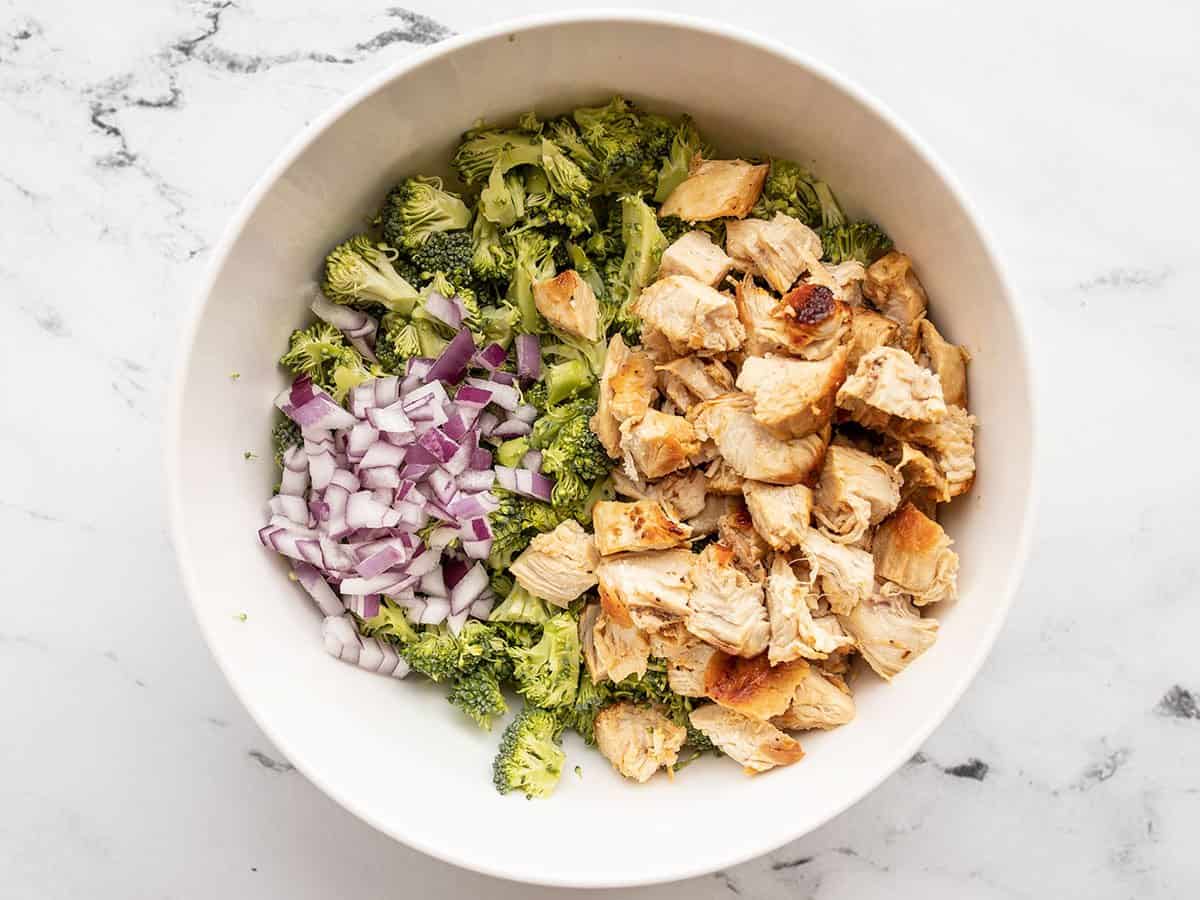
[365, 606]
[511, 428]
[476, 529]
[410, 516]
[451, 364]
[291, 507]
[469, 587]
[482, 608]
[341, 638]
[362, 398]
[487, 423]
[433, 584]
[364, 511]
[356, 324]
[525, 413]
[380, 477]
[442, 483]
[480, 459]
[380, 561]
[453, 569]
[491, 357]
[388, 657]
[381, 453]
[387, 390]
[386, 496]
[310, 407]
[425, 561]
[414, 471]
[370, 657]
[469, 395]
[456, 621]
[505, 378]
[438, 444]
[391, 419]
[436, 611]
[532, 461]
[318, 588]
[529, 357]
[382, 583]
[442, 537]
[345, 479]
[473, 480]
[362, 436]
[454, 427]
[318, 509]
[473, 506]
[478, 549]
[506, 396]
[443, 309]
[293, 482]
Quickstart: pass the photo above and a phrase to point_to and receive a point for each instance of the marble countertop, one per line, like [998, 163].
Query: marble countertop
[127, 768]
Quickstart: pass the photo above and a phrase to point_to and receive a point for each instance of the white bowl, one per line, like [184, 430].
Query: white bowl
[395, 753]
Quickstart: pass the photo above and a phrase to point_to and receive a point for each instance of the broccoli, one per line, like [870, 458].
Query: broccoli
[511, 451]
[590, 698]
[862, 241]
[321, 352]
[831, 212]
[497, 324]
[673, 228]
[685, 146]
[400, 338]
[603, 489]
[360, 271]
[623, 146]
[514, 524]
[534, 262]
[530, 759]
[391, 622]
[477, 693]
[434, 654]
[449, 253]
[492, 257]
[417, 208]
[538, 396]
[576, 458]
[521, 606]
[579, 261]
[547, 427]
[567, 378]
[644, 245]
[284, 436]
[791, 189]
[481, 148]
[547, 674]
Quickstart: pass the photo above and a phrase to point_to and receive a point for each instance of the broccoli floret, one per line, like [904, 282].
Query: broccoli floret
[534, 262]
[284, 436]
[359, 271]
[514, 524]
[603, 489]
[697, 739]
[400, 338]
[644, 245]
[449, 253]
[863, 241]
[673, 228]
[547, 674]
[530, 759]
[481, 148]
[566, 379]
[498, 324]
[576, 459]
[434, 654]
[831, 211]
[321, 352]
[521, 606]
[391, 621]
[685, 145]
[547, 427]
[511, 451]
[492, 257]
[789, 189]
[537, 396]
[624, 146]
[590, 698]
[417, 208]
[477, 693]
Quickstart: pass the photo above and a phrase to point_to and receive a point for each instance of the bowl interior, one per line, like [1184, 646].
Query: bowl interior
[395, 753]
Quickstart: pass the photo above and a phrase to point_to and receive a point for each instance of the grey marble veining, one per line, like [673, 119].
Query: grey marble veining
[131, 131]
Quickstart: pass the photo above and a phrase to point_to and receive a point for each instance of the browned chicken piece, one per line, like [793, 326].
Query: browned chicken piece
[721, 479]
[736, 531]
[715, 189]
[808, 322]
[845, 574]
[706, 521]
[568, 303]
[637, 740]
[681, 493]
[611, 650]
[750, 448]
[913, 551]
[855, 491]
[947, 361]
[849, 276]
[794, 397]
[894, 288]
[641, 525]
[819, 702]
[649, 590]
[794, 632]
[781, 513]
[889, 387]
[778, 249]
[921, 478]
[687, 670]
[950, 444]
[671, 641]
[758, 746]
[559, 565]
[727, 607]
[627, 388]
[868, 330]
[690, 316]
[633, 488]
[691, 379]
[657, 444]
[753, 687]
[889, 631]
[695, 255]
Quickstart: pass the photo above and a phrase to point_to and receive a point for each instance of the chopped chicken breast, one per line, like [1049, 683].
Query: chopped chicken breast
[691, 379]
[638, 741]
[950, 444]
[846, 574]
[795, 397]
[889, 631]
[868, 330]
[706, 521]
[727, 607]
[758, 746]
[855, 491]
[817, 703]
[753, 687]
[887, 386]
[809, 321]
[715, 189]
[658, 444]
[671, 641]
[695, 255]
[559, 565]
[626, 390]
[947, 361]
[849, 276]
[648, 589]
[778, 249]
[720, 478]
[736, 531]
[611, 650]
[794, 633]
[913, 551]
[568, 303]
[690, 316]
[894, 288]
[681, 493]
[781, 513]
[687, 670]
[750, 448]
[922, 479]
[641, 525]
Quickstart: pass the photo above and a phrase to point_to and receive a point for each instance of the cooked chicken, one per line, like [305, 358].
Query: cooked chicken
[671, 641]
[559, 565]
[795, 397]
[888, 386]
[638, 740]
[568, 304]
[736, 531]
[720, 478]
[845, 574]
[947, 361]
[855, 491]
[657, 444]
[778, 249]
[758, 746]
[715, 506]
[849, 276]
[817, 703]
[648, 589]
[691, 379]
[716, 188]
[780, 513]
[695, 255]
[611, 650]
[726, 606]
[794, 632]
[681, 493]
[750, 448]
[894, 288]
[753, 687]
[950, 444]
[913, 551]
[922, 479]
[889, 631]
[641, 525]
[626, 390]
[690, 316]
[868, 330]
[687, 670]
[809, 321]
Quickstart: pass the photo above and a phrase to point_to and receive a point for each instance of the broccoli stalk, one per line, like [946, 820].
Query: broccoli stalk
[359, 271]
[644, 246]
[547, 674]
[530, 759]
[417, 208]
[685, 146]
[534, 262]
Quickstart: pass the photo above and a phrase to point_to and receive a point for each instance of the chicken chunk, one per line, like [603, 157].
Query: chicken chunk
[671, 641]
[727, 607]
[690, 316]
[638, 741]
[649, 589]
[947, 361]
[568, 303]
[868, 330]
[753, 687]
[611, 650]
[855, 491]
[750, 448]
[736, 531]
[817, 703]
[808, 322]
[794, 397]
[780, 513]
[627, 388]
[921, 478]
[849, 276]
[641, 525]
[692, 379]
[950, 443]
[687, 670]
[715, 506]
[889, 631]
[681, 493]
[657, 444]
[720, 478]
[894, 288]
[913, 551]
[845, 574]
[794, 632]
[715, 189]
[559, 565]
[695, 255]
[779, 249]
[758, 746]
[888, 386]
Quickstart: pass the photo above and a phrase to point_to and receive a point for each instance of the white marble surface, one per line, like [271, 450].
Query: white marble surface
[130, 132]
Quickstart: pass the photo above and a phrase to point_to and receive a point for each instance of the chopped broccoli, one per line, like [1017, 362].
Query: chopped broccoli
[862, 241]
[547, 674]
[359, 271]
[530, 759]
[321, 352]
[481, 148]
[417, 208]
[449, 253]
[644, 245]
[284, 436]
[391, 621]
[515, 523]
[434, 654]
[492, 256]
[537, 396]
[673, 228]
[400, 338]
[575, 457]
[497, 324]
[511, 451]
[477, 693]
[547, 427]
[566, 379]
[603, 489]
[831, 212]
[623, 146]
[791, 189]
[685, 145]
[534, 262]
[521, 606]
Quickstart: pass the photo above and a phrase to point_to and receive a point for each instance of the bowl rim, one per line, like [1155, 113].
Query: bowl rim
[683, 868]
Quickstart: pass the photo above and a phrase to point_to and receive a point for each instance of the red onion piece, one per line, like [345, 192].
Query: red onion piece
[341, 638]
[481, 460]
[473, 583]
[506, 396]
[443, 309]
[434, 584]
[292, 482]
[478, 550]
[491, 357]
[504, 378]
[362, 398]
[525, 413]
[387, 390]
[482, 608]
[529, 357]
[472, 480]
[380, 561]
[391, 419]
[511, 428]
[469, 395]
[318, 588]
[451, 365]
[487, 423]
[532, 461]
[363, 605]
[310, 407]
[293, 508]
[472, 506]
[382, 453]
[436, 611]
[442, 537]
[370, 657]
